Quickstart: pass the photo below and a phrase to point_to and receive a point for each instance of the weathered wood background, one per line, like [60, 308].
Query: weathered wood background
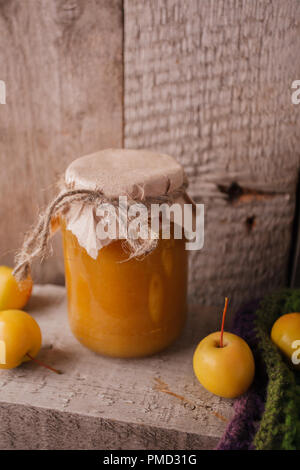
[206, 81]
[210, 83]
[62, 62]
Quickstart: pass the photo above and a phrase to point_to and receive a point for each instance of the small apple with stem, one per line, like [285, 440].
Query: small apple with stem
[223, 363]
[20, 340]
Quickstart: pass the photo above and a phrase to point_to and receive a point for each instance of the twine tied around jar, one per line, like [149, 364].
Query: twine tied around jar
[36, 243]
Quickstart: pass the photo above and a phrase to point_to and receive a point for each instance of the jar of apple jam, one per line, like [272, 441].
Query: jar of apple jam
[120, 304]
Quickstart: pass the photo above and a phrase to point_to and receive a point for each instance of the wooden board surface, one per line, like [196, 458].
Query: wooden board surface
[62, 63]
[104, 403]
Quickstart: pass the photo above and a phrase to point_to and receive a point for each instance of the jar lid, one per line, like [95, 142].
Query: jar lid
[102, 177]
[136, 173]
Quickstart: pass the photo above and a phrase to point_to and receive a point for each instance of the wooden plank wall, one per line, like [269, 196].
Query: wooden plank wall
[210, 83]
[206, 81]
[62, 62]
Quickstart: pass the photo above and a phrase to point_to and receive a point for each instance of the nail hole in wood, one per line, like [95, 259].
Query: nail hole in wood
[234, 191]
[250, 223]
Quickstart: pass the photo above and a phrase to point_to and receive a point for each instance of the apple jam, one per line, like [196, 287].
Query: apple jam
[124, 302]
[126, 308]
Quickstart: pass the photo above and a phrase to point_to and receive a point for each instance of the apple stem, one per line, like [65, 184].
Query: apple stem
[223, 321]
[40, 363]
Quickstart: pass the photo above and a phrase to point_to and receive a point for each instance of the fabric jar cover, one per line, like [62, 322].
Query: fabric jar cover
[141, 175]
[102, 179]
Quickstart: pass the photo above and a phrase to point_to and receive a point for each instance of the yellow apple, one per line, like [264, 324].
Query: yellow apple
[226, 371]
[13, 294]
[286, 335]
[19, 335]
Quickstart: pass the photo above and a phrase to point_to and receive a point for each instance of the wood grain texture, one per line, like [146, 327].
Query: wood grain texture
[210, 82]
[62, 64]
[104, 403]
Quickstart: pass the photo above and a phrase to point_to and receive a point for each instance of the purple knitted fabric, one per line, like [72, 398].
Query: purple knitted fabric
[249, 408]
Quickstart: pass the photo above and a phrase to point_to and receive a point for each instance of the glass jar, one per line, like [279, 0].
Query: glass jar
[126, 308]
[119, 305]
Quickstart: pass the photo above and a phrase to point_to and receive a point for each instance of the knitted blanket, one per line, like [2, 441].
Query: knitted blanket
[267, 417]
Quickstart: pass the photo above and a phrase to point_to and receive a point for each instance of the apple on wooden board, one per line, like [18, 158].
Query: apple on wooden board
[20, 335]
[224, 363]
[13, 294]
[20, 339]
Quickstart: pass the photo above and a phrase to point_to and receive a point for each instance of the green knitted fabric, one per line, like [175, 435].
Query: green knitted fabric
[280, 424]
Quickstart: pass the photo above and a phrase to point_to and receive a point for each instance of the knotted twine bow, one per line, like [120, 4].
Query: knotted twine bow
[36, 243]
